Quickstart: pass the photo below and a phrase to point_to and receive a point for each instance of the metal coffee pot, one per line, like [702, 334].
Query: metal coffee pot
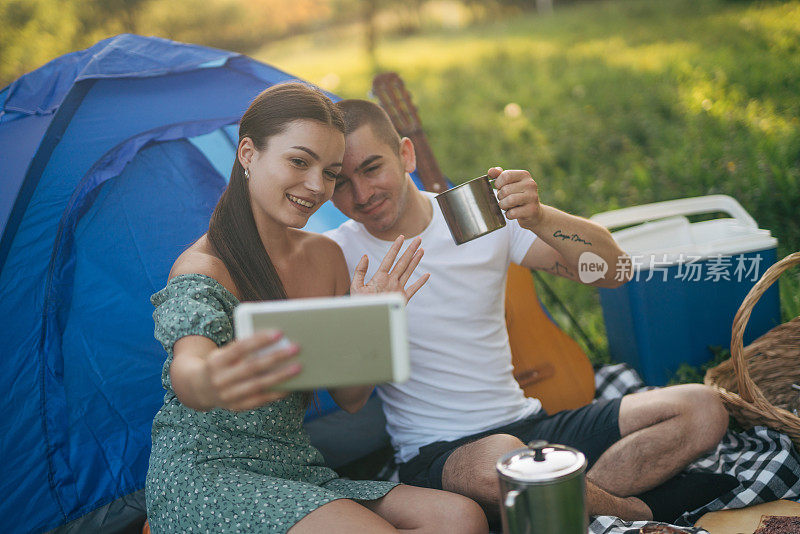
[542, 490]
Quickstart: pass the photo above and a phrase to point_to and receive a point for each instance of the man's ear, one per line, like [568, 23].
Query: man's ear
[246, 151]
[408, 155]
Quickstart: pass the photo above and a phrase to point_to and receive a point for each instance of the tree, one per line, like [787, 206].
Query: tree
[34, 31]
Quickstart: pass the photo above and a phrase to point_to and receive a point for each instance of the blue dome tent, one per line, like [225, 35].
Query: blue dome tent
[111, 161]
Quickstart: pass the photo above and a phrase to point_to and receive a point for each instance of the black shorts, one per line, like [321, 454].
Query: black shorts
[591, 429]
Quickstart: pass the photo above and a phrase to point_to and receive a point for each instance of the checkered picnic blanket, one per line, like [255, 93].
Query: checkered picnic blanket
[764, 461]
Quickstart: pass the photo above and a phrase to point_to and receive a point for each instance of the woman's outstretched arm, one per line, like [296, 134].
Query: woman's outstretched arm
[237, 376]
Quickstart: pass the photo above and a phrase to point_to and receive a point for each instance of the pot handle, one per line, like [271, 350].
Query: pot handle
[511, 499]
[512, 514]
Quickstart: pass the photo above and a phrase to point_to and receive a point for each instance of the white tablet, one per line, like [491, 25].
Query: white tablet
[344, 341]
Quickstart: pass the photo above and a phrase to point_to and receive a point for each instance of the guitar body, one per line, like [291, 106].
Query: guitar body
[548, 364]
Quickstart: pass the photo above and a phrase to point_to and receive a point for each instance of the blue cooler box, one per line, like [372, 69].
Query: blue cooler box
[689, 279]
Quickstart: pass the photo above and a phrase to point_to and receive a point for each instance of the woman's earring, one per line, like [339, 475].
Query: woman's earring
[247, 174]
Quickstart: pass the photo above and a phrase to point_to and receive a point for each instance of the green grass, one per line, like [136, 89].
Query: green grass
[622, 103]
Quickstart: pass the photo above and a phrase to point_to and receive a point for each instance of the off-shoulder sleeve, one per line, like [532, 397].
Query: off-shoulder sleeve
[192, 304]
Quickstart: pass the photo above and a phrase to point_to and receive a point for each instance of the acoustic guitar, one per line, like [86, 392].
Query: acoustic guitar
[548, 364]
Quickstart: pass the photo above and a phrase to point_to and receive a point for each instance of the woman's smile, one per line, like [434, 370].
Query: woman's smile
[299, 202]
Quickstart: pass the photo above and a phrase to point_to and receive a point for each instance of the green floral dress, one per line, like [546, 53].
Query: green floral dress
[223, 471]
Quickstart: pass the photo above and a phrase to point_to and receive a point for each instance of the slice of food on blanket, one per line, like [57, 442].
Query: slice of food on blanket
[746, 520]
[778, 524]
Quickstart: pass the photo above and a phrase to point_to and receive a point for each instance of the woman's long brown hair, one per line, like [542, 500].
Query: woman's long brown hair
[232, 230]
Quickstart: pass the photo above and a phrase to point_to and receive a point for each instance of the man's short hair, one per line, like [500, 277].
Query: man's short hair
[358, 112]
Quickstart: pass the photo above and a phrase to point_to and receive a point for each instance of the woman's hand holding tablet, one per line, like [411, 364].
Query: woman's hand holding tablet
[238, 376]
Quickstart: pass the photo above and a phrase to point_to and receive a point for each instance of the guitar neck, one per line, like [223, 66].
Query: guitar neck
[427, 168]
[397, 101]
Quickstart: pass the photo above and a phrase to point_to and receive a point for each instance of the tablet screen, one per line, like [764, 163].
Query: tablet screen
[343, 340]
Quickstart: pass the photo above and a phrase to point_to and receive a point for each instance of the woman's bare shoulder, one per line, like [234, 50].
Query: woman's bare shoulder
[200, 258]
[325, 255]
[321, 246]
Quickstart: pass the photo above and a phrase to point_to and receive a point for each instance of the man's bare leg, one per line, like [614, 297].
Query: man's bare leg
[662, 432]
[470, 470]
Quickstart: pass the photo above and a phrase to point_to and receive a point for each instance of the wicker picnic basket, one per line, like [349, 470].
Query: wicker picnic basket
[755, 384]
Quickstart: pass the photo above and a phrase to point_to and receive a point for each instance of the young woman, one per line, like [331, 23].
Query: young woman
[229, 454]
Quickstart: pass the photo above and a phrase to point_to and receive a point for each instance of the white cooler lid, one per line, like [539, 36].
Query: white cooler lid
[670, 238]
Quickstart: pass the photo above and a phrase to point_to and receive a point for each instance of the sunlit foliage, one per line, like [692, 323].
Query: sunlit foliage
[609, 104]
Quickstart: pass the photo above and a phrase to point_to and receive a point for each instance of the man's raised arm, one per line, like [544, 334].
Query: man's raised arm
[568, 246]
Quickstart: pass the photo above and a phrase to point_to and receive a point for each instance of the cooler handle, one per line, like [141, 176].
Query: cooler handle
[673, 208]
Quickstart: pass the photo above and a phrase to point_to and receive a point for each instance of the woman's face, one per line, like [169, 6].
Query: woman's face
[295, 173]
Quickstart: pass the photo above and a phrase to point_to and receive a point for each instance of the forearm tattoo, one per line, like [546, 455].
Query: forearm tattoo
[570, 237]
[559, 269]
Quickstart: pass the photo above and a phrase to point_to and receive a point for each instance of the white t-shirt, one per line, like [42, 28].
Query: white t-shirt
[461, 374]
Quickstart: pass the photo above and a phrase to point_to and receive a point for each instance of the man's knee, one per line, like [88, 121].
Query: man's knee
[499, 443]
[696, 408]
[707, 412]
[704, 417]
[472, 466]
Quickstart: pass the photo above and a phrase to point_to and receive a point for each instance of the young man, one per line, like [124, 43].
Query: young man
[462, 409]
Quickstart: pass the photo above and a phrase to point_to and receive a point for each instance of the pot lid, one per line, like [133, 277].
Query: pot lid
[541, 462]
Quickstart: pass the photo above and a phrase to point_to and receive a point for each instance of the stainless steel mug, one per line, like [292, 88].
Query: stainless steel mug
[542, 490]
[471, 210]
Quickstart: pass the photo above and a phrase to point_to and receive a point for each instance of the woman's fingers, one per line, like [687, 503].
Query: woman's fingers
[255, 364]
[388, 260]
[412, 265]
[413, 288]
[237, 350]
[402, 264]
[391, 275]
[359, 274]
[260, 386]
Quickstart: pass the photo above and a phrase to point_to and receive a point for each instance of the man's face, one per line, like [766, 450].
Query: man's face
[373, 188]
